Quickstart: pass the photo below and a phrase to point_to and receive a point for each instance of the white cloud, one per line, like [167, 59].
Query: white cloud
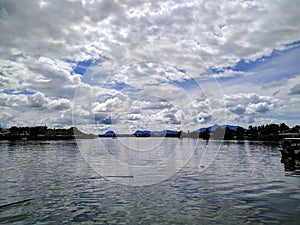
[5, 118]
[223, 31]
[260, 107]
[59, 104]
[37, 100]
[151, 46]
[295, 90]
[246, 107]
[13, 100]
[110, 105]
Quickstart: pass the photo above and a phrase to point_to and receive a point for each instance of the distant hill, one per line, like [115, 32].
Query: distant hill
[216, 126]
[142, 133]
[109, 133]
[163, 132]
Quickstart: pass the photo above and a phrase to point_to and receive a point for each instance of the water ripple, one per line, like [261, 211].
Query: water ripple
[52, 184]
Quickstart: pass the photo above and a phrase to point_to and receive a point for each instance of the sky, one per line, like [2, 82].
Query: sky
[127, 65]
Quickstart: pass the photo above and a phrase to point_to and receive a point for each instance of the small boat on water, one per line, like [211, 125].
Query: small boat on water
[290, 152]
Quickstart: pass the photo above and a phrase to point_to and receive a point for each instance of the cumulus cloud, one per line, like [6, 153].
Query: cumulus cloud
[5, 118]
[59, 104]
[91, 27]
[260, 107]
[246, 107]
[295, 90]
[13, 100]
[110, 105]
[144, 46]
[37, 100]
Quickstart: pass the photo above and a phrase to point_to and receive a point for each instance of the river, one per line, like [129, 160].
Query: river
[146, 181]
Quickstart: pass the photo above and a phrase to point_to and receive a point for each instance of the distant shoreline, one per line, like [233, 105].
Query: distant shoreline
[268, 132]
[43, 133]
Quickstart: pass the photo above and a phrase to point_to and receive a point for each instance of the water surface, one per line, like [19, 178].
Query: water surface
[51, 183]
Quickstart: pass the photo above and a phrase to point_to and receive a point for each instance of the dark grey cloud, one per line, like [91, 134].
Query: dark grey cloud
[295, 90]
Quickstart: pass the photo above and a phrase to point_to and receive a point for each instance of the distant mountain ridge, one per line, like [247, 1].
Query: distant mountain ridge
[216, 126]
[165, 132]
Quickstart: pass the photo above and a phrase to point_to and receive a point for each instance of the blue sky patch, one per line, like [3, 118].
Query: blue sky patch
[278, 65]
[293, 43]
[82, 66]
[246, 66]
[18, 92]
[119, 86]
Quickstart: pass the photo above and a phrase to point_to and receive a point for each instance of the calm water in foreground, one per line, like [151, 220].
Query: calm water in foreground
[52, 183]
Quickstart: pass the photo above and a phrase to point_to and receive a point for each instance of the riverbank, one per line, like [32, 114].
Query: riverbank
[43, 133]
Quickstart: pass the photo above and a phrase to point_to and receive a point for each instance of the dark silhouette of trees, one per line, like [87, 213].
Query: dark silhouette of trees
[240, 132]
[205, 135]
[266, 132]
[269, 132]
[283, 127]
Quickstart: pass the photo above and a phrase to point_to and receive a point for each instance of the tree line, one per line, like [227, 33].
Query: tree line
[266, 132]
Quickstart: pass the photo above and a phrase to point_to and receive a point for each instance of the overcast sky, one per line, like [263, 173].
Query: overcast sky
[128, 65]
